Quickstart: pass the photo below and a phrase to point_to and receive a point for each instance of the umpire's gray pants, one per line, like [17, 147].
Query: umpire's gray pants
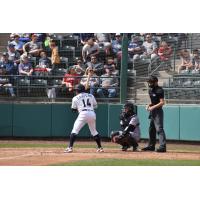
[156, 126]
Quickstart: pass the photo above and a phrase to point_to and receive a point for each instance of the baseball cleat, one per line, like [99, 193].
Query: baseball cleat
[161, 150]
[68, 150]
[136, 149]
[149, 148]
[125, 148]
[100, 150]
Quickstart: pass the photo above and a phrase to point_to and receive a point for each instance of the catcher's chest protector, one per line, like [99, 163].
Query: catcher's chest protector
[125, 121]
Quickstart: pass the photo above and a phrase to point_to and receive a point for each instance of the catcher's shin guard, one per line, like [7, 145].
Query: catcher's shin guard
[133, 142]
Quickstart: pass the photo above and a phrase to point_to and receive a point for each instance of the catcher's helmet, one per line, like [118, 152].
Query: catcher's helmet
[80, 88]
[130, 106]
[129, 109]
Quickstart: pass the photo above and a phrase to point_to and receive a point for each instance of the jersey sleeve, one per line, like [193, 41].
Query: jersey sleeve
[134, 121]
[160, 93]
[94, 102]
[74, 104]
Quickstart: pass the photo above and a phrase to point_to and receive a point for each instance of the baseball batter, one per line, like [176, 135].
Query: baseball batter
[84, 103]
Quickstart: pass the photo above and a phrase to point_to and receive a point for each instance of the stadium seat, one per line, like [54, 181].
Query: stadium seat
[141, 66]
[59, 71]
[70, 42]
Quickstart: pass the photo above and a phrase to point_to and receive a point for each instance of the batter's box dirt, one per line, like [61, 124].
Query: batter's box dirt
[39, 156]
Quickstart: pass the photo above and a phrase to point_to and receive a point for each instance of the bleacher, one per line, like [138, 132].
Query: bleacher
[37, 86]
[183, 88]
[178, 87]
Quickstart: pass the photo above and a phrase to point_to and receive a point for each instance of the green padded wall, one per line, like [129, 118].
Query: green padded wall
[144, 121]
[56, 120]
[62, 120]
[6, 120]
[113, 117]
[32, 120]
[190, 123]
[102, 119]
[171, 122]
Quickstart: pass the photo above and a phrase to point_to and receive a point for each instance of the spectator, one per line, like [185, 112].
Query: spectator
[44, 61]
[4, 81]
[55, 58]
[8, 65]
[96, 66]
[70, 79]
[33, 48]
[13, 54]
[135, 49]
[196, 60]
[165, 51]
[85, 36]
[90, 80]
[25, 67]
[151, 47]
[103, 39]
[108, 83]
[186, 61]
[90, 49]
[110, 64]
[41, 37]
[80, 67]
[18, 44]
[109, 51]
[43, 67]
[117, 45]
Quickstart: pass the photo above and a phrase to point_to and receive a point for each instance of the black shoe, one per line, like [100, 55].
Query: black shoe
[124, 148]
[161, 150]
[149, 148]
[136, 149]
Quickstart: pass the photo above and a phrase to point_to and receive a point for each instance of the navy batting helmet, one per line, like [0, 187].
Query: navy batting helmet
[80, 88]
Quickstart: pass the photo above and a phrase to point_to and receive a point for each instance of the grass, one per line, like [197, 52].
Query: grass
[128, 162]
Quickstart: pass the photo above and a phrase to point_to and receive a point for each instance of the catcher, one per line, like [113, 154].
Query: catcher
[129, 136]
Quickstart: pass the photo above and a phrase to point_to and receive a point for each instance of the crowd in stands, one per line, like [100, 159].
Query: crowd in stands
[190, 63]
[94, 60]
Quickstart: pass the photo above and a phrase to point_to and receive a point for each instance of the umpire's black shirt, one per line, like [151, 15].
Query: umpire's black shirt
[156, 94]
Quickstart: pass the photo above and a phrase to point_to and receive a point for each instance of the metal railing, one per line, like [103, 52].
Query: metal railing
[178, 89]
[40, 88]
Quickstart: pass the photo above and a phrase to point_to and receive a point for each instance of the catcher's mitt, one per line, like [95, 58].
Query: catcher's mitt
[122, 139]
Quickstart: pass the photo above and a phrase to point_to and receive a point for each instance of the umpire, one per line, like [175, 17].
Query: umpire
[156, 94]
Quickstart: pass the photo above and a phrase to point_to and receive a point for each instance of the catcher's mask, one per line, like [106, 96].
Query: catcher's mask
[129, 109]
[152, 81]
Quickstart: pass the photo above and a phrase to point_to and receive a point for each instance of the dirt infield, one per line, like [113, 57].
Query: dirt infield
[39, 156]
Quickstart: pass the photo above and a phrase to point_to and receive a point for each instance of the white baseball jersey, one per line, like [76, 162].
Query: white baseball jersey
[85, 104]
[84, 101]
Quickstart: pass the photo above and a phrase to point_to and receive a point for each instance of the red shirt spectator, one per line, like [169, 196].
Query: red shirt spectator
[164, 51]
[70, 80]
